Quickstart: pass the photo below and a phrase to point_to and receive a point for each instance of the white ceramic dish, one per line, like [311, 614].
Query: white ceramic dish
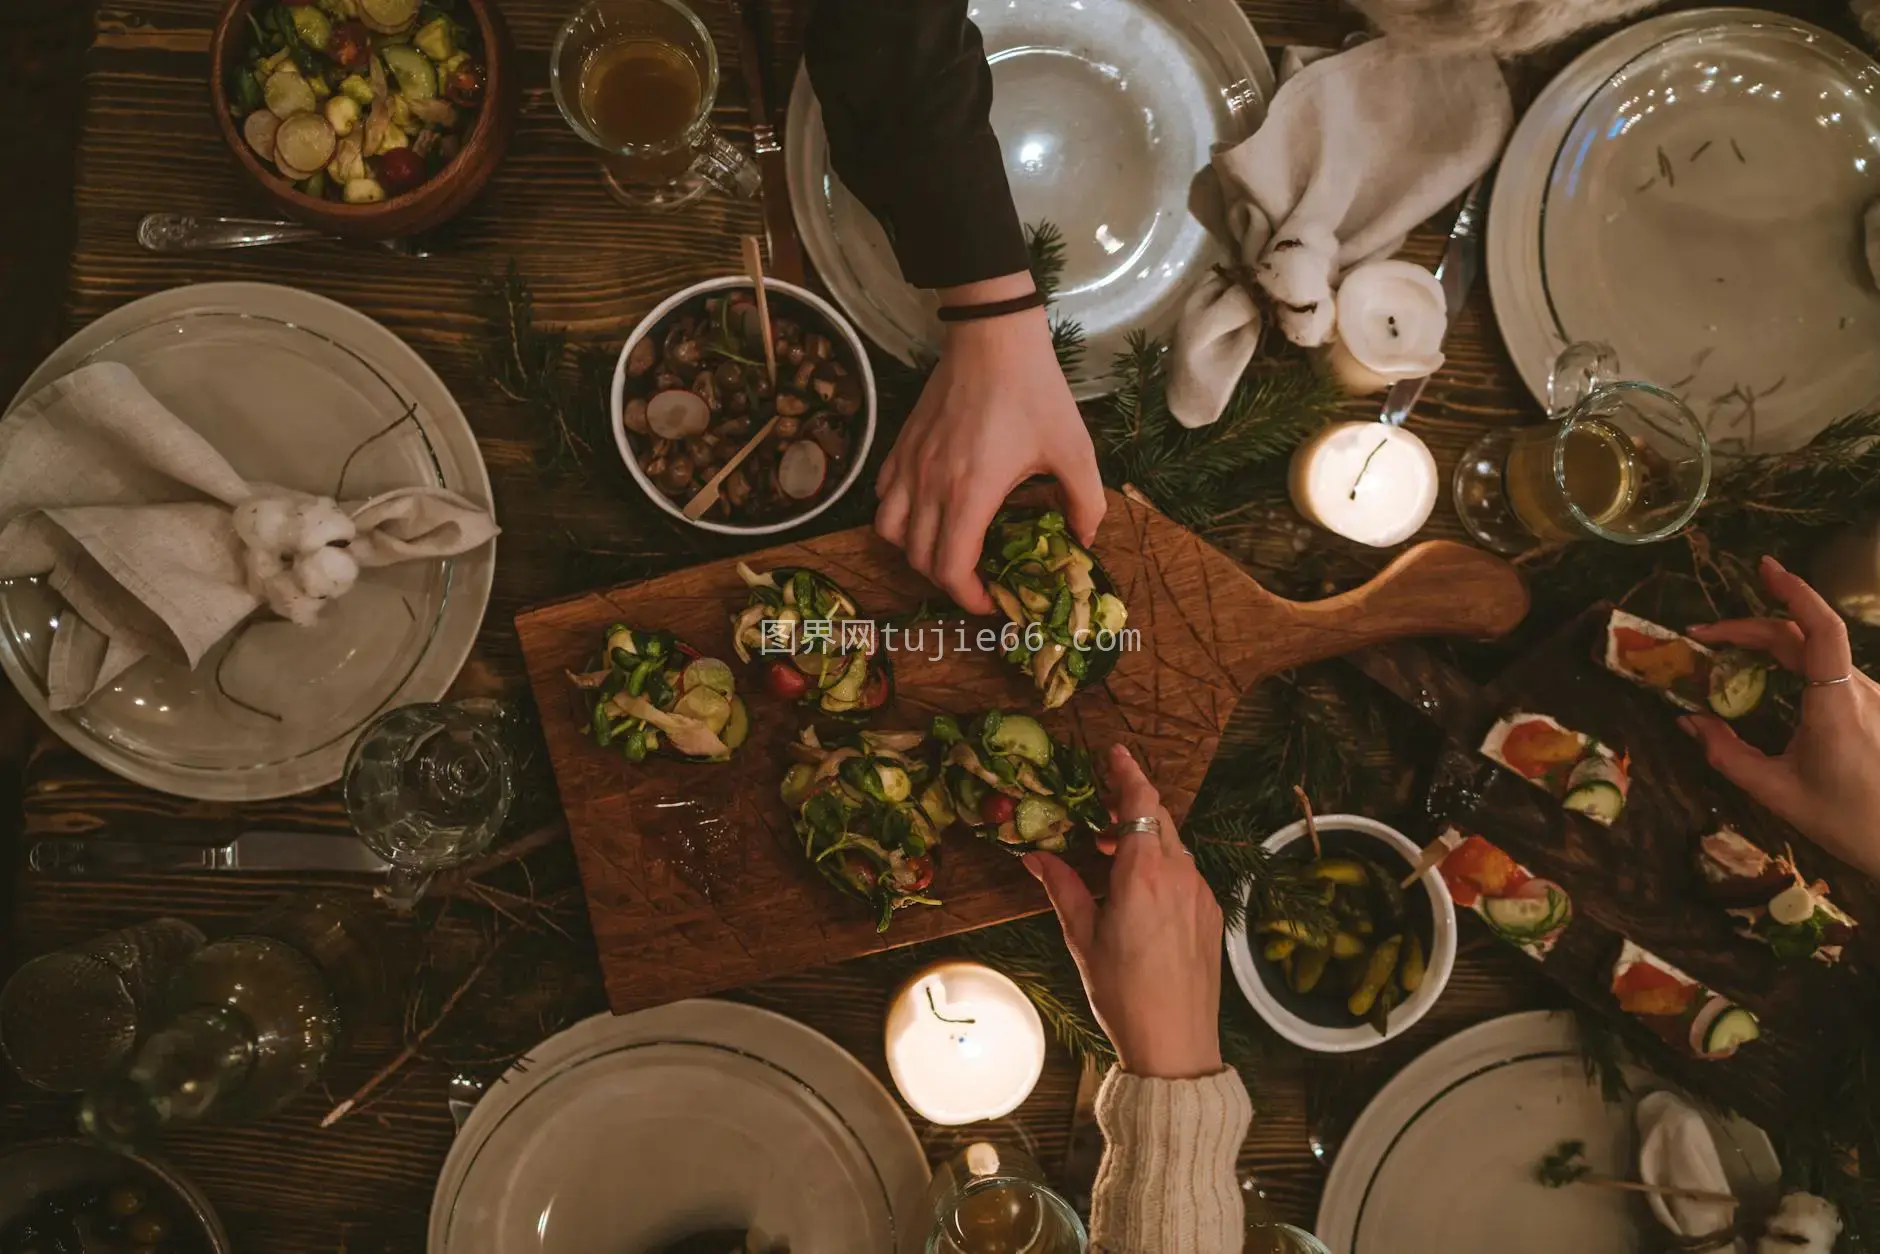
[1716, 279]
[622, 1133]
[1252, 974]
[284, 384]
[1106, 110]
[1442, 1159]
[616, 399]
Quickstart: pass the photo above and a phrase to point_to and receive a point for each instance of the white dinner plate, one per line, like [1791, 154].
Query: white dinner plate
[285, 385]
[622, 1134]
[1106, 111]
[1442, 1160]
[1691, 191]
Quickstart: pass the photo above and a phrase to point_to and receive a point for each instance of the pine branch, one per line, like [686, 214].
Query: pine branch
[1045, 243]
[563, 388]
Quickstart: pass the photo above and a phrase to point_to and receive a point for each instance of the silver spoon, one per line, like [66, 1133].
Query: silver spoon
[461, 1096]
[186, 233]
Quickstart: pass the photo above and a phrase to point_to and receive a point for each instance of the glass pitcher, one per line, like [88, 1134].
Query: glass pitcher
[637, 79]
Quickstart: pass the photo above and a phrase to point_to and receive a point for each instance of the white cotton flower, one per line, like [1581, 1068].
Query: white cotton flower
[261, 522]
[1296, 271]
[1802, 1224]
[261, 565]
[285, 597]
[326, 572]
[317, 522]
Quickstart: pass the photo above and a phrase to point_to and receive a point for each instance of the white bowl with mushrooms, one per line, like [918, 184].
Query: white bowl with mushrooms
[691, 387]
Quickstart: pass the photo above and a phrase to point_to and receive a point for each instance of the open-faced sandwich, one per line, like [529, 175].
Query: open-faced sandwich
[650, 692]
[1013, 784]
[813, 643]
[1688, 1016]
[869, 812]
[1770, 900]
[1518, 906]
[1685, 673]
[1576, 770]
[1066, 621]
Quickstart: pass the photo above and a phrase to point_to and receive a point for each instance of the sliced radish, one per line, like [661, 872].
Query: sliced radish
[388, 17]
[287, 93]
[305, 141]
[258, 128]
[800, 471]
[677, 414]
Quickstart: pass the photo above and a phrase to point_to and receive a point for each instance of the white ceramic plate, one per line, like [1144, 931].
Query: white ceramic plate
[1442, 1159]
[1107, 110]
[623, 1133]
[1691, 191]
[284, 384]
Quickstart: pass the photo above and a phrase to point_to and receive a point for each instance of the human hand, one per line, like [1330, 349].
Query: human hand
[996, 411]
[1151, 954]
[1827, 782]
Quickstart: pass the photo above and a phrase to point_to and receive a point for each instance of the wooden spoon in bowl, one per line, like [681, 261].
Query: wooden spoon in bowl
[708, 495]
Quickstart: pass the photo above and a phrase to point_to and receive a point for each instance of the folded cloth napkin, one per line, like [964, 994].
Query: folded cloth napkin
[1357, 149]
[1677, 1150]
[160, 548]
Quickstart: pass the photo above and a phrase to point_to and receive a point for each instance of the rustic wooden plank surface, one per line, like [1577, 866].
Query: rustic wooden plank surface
[149, 144]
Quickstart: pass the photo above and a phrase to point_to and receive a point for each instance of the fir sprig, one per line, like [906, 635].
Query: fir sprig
[562, 386]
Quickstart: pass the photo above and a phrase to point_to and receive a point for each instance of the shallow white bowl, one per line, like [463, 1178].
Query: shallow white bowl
[617, 394]
[1442, 957]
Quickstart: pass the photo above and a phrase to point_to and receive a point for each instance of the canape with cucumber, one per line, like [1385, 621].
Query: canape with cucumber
[1578, 771]
[1771, 901]
[1685, 1014]
[1013, 784]
[869, 810]
[1528, 912]
[1065, 620]
[1729, 684]
[812, 643]
[651, 693]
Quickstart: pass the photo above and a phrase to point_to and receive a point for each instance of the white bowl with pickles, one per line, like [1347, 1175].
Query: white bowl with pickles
[1351, 958]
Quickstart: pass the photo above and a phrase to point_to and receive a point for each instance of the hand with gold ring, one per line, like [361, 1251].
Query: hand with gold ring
[1150, 954]
[1827, 782]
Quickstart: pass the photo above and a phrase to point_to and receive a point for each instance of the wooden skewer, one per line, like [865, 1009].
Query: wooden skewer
[1433, 853]
[1660, 1190]
[1312, 828]
[708, 495]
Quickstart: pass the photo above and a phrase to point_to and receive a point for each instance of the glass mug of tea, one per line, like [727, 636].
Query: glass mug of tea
[992, 1199]
[637, 79]
[1621, 461]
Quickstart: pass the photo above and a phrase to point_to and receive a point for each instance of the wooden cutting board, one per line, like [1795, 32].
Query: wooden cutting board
[1636, 879]
[695, 881]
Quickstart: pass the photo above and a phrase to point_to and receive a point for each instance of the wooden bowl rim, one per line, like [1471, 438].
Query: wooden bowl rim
[480, 135]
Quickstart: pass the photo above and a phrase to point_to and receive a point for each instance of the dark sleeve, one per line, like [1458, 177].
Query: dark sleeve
[905, 93]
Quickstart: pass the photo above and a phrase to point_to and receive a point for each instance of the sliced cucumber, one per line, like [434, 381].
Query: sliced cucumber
[895, 784]
[847, 690]
[1737, 684]
[417, 79]
[1038, 819]
[798, 782]
[1598, 799]
[1729, 1031]
[1110, 613]
[710, 708]
[1021, 737]
[708, 672]
[738, 726]
[1522, 918]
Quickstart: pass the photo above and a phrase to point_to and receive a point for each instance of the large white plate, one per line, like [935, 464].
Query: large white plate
[284, 384]
[623, 1133]
[1726, 277]
[1106, 111]
[1442, 1159]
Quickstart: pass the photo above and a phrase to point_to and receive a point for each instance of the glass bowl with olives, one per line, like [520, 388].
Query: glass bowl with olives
[692, 387]
[73, 1197]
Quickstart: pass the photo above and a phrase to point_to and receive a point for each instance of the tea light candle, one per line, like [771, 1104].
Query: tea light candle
[1367, 481]
[1391, 319]
[1847, 573]
[964, 1043]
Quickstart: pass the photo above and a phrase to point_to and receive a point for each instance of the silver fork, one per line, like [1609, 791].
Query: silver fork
[186, 233]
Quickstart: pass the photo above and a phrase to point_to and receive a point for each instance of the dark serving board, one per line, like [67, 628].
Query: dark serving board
[1636, 879]
[694, 879]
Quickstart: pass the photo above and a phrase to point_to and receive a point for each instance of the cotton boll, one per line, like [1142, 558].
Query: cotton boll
[1802, 1224]
[326, 573]
[285, 597]
[1308, 326]
[317, 522]
[261, 565]
[262, 521]
[1297, 273]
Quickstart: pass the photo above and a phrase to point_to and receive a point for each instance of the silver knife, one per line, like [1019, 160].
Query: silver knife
[82, 857]
[1457, 272]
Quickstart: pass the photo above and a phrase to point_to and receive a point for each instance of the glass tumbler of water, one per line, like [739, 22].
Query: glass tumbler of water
[428, 786]
[991, 1199]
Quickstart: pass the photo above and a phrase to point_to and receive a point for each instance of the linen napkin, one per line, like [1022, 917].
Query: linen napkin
[160, 548]
[1676, 1149]
[1357, 149]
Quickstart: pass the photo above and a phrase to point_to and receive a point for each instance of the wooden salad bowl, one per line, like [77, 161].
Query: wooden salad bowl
[694, 877]
[437, 199]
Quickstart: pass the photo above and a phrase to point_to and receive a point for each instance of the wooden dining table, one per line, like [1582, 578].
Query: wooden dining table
[108, 118]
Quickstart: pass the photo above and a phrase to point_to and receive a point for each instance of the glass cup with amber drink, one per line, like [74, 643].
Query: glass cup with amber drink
[1619, 460]
[637, 79]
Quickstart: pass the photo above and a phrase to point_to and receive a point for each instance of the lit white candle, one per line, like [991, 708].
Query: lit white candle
[1391, 320]
[964, 1043]
[1367, 481]
[1847, 573]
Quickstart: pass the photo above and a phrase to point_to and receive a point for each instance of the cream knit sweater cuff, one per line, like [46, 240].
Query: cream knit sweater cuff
[1167, 1184]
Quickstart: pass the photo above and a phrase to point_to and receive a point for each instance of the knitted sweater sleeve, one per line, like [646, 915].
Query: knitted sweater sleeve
[1168, 1182]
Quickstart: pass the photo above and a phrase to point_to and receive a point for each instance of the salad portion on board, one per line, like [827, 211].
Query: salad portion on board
[1065, 621]
[1729, 684]
[357, 100]
[1684, 1013]
[1014, 784]
[1580, 773]
[1526, 911]
[812, 643]
[1770, 900]
[651, 693]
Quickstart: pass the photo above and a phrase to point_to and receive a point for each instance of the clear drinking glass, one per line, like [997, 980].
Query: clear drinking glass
[67, 1019]
[1621, 461]
[990, 1199]
[428, 786]
[637, 79]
